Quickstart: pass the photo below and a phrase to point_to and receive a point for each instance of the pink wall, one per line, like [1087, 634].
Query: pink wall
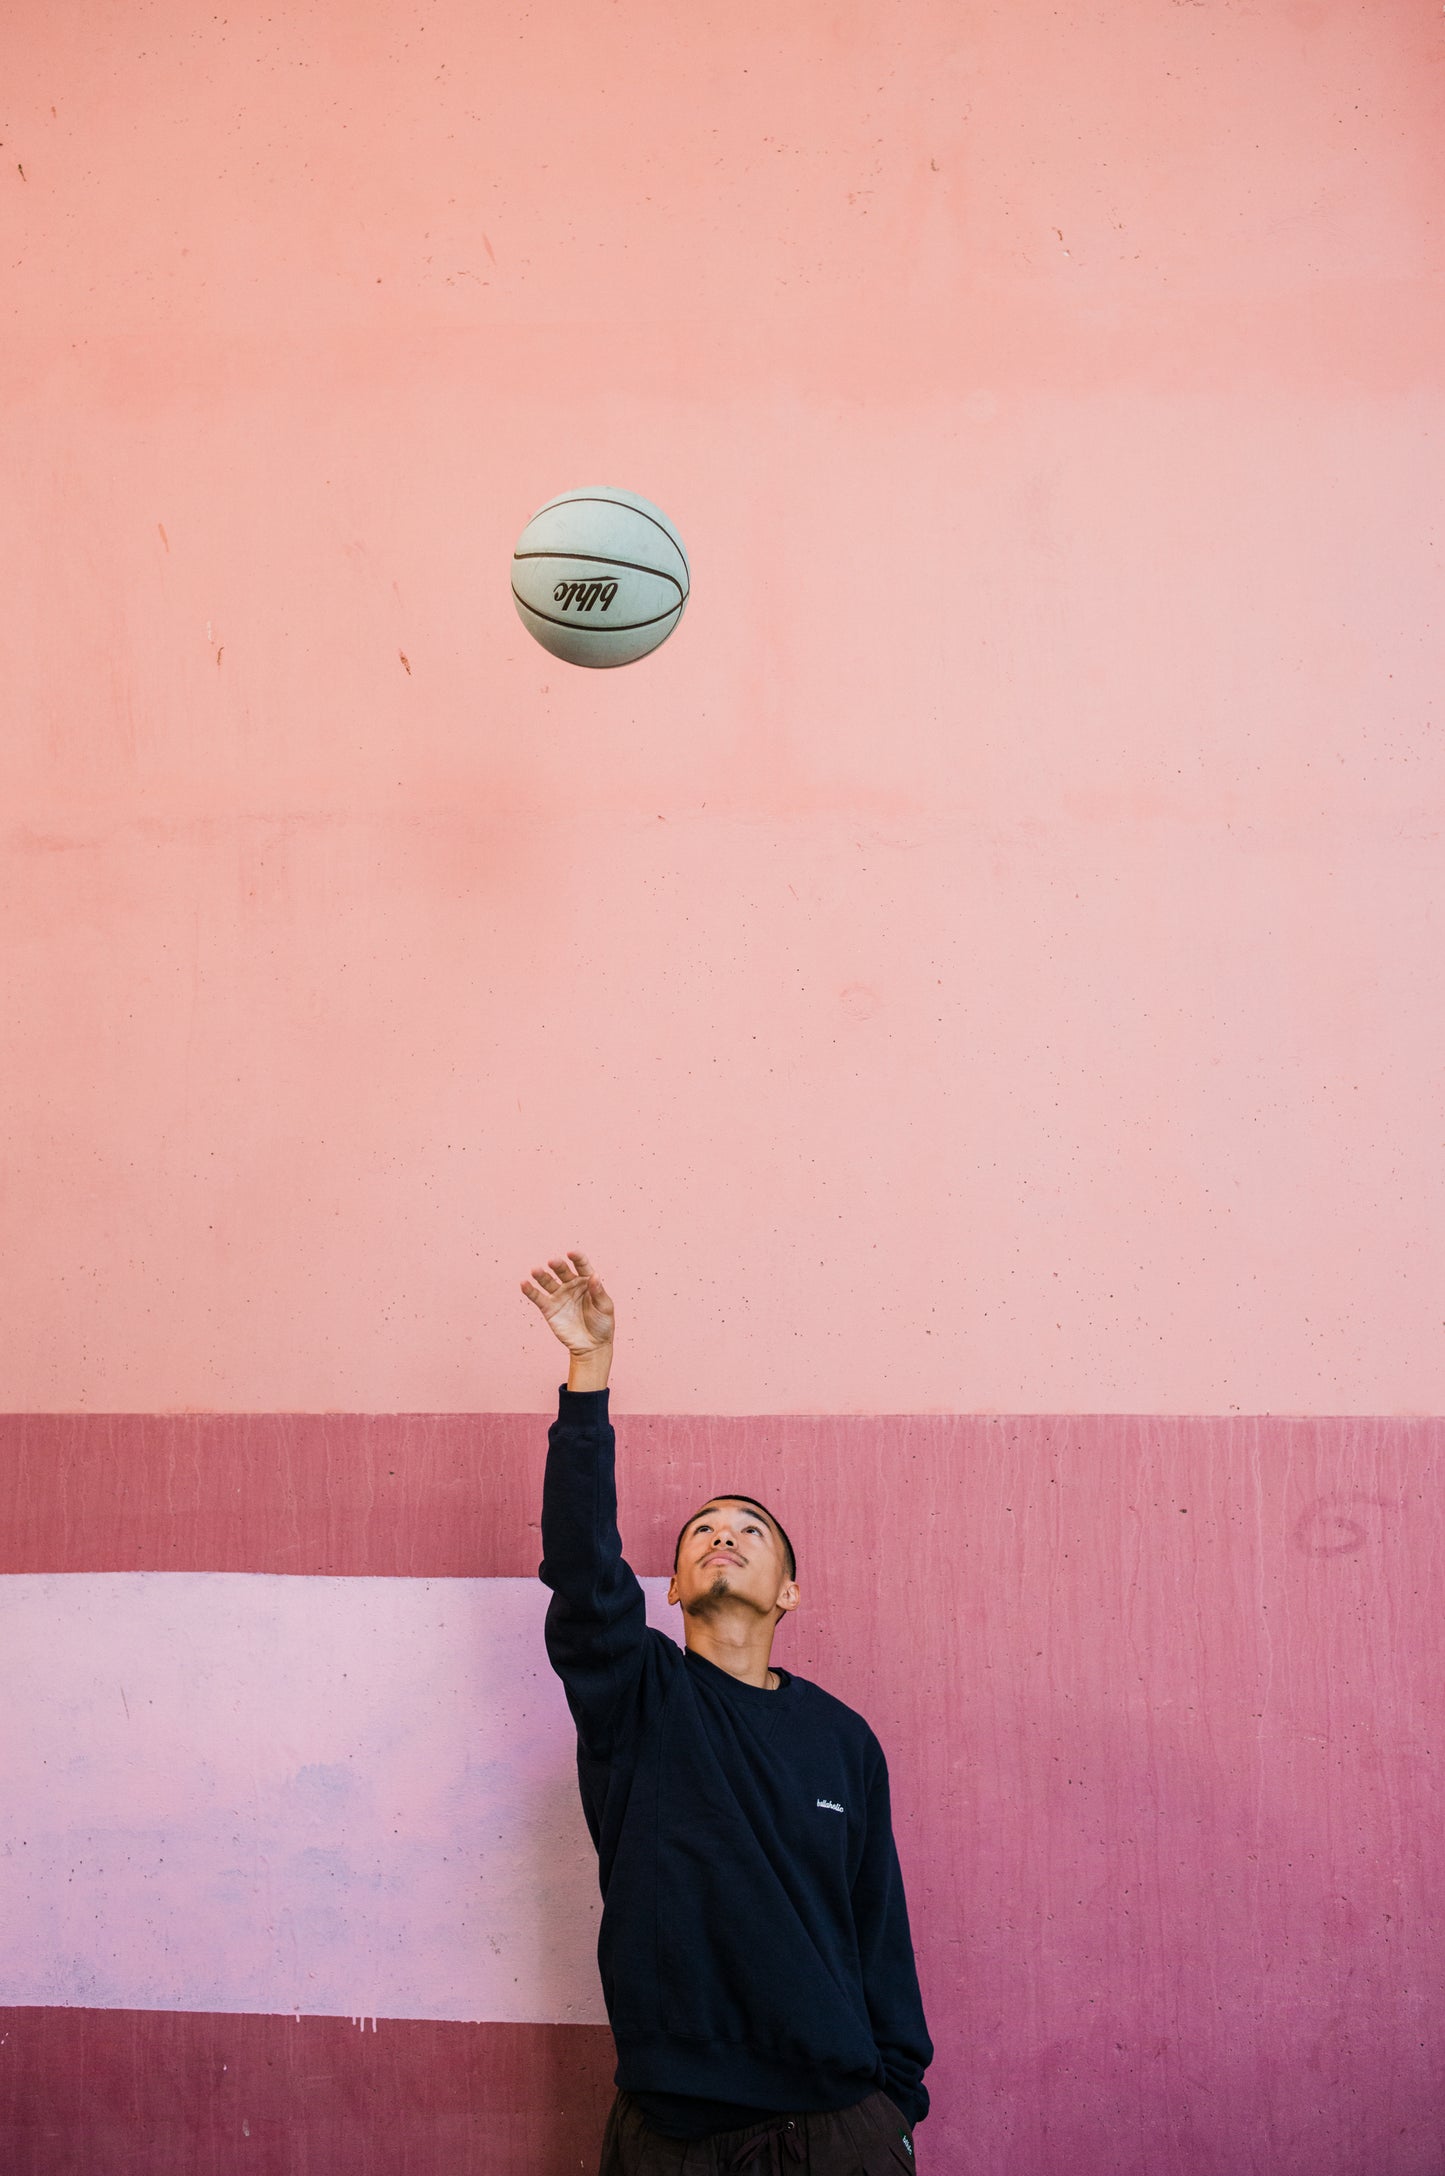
[1160, 1698]
[987, 963]
[1025, 854]
[344, 1796]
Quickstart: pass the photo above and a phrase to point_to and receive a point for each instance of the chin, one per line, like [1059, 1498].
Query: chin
[719, 1591]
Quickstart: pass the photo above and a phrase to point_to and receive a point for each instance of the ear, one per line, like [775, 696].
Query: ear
[788, 1595]
[672, 1590]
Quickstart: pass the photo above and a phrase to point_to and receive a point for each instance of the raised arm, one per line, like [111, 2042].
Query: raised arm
[596, 1619]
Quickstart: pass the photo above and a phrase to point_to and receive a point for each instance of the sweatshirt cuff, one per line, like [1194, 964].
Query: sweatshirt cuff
[911, 2103]
[582, 1404]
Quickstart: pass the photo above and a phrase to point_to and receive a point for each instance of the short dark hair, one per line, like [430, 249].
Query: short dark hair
[735, 1496]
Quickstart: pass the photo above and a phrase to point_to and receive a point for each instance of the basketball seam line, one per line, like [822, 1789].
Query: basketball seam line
[605, 559]
[622, 627]
[567, 500]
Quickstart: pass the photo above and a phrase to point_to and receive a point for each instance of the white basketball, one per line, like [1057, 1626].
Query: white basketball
[599, 576]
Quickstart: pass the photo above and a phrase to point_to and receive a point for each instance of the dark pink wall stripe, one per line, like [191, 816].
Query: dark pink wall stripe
[411, 1495]
[440, 1495]
[162, 2093]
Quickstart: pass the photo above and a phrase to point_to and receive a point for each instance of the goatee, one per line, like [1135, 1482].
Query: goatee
[719, 1593]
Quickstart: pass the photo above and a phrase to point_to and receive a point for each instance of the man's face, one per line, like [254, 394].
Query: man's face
[731, 1555]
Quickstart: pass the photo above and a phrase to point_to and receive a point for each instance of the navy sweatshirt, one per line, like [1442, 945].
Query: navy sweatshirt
[754, 1946]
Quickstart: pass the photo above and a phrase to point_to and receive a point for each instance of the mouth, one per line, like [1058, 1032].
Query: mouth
[720, 1557]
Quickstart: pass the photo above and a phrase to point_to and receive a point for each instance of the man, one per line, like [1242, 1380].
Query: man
[754, 1949]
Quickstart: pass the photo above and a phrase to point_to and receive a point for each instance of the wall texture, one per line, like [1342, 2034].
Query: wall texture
[978, 979]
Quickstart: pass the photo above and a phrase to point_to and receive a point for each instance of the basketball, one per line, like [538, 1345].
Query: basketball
[599, 576]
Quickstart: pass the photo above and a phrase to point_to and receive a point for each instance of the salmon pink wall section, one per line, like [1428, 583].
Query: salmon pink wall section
[1024, 860]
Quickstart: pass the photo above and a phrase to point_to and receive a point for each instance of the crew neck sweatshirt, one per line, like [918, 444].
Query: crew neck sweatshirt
[754, 1947]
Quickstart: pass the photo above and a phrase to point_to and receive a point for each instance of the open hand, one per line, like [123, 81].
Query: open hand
[573, 1302]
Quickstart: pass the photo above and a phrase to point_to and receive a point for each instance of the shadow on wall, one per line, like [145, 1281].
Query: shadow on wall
[570, 2116]
[565, 1959]
[577, 2059]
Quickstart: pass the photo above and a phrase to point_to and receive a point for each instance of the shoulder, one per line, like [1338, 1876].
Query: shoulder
[826, 1712]
[663, 1651]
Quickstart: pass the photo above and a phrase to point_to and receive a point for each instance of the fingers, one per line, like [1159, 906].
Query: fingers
[562, 1270]
[592, 1283]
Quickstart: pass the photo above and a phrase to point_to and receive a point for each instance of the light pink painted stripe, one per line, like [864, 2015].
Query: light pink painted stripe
[334, 1796]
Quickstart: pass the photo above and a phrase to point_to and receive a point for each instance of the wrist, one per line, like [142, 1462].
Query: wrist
[589, 1370]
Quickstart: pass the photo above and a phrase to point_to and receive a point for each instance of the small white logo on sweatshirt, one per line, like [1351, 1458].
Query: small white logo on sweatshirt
[831, 1804]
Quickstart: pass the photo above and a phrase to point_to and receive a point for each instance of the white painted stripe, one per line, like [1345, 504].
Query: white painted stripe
[333, 1796]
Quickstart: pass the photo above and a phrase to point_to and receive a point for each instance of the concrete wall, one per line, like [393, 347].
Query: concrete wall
[978, 979]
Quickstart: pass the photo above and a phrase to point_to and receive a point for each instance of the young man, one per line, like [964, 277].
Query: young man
[754, 1950]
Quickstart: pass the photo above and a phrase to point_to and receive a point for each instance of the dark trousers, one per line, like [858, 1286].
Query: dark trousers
[872, 2139]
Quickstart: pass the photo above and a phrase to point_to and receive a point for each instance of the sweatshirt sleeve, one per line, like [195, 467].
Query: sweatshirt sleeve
[596, 1620]
[885, 1947]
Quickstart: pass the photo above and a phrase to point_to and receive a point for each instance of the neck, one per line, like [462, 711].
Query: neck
[740, 1648]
